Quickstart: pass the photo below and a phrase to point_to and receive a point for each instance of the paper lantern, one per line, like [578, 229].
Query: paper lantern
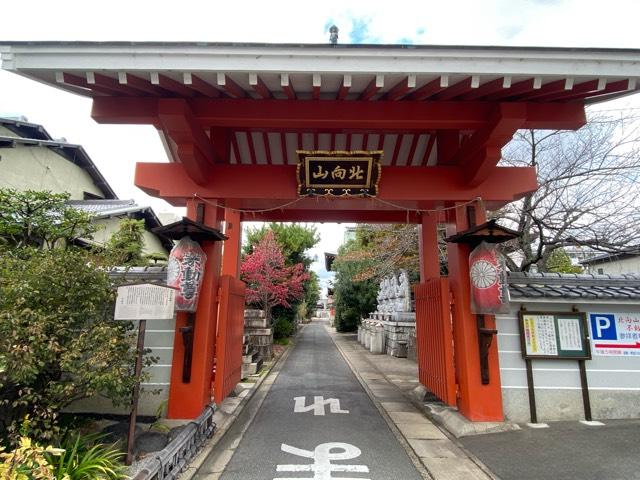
[489, 292]
[185, 272]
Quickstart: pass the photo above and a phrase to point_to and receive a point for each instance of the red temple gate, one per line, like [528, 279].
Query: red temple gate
[232, 117]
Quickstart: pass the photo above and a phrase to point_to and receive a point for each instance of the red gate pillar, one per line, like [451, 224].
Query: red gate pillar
[477, 402]
[231, 251]
[428, 244]
[187, 400]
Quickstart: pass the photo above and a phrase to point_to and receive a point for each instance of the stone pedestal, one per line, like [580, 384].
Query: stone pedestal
[377, 339]
[412, 352]
[397, 336]
[258, 342]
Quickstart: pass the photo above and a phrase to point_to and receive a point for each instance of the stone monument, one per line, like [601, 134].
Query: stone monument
[394, 313]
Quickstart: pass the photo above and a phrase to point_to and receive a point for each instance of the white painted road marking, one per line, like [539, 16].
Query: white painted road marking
[322, 458]
[318, 405]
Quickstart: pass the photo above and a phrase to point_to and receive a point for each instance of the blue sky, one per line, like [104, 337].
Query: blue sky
[115, 148]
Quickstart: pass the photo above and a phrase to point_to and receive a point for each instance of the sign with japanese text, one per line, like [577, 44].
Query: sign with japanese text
[145, 302]
[338, 173]
[615, 334]
[554, 335]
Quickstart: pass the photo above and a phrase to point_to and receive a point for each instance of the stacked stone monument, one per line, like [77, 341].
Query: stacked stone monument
[258, 342]
[393, 316]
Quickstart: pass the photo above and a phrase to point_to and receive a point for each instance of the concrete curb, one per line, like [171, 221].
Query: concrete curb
[424, 469]
[225, 419]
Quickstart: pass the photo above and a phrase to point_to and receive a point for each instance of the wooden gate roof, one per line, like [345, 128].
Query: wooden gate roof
[219, 105]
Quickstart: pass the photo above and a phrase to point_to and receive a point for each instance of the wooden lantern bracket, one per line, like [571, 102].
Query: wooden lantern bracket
[485, 339]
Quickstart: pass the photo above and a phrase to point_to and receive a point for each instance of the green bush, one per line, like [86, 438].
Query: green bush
[347, 319]
[282, 328]
[58, 340]
[85, 458]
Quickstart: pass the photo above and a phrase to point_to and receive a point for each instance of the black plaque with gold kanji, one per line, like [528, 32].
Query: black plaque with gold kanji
[338, 173]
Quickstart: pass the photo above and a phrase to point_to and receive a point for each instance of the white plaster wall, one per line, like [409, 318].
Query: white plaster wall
[617, 267]
[158, 337]
[614, 382]
[38, 168]
[108, 226]
[5, 132]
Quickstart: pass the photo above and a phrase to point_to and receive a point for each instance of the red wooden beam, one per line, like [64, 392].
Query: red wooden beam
[547, 89]
[428, 149]
[111, 84]
[430, 89]
[396, 150]
[488, 88]
[374, 85]
[200, 86]
[76, 81]
[336, 115]
[401, 88]
[141, 84]
[613, 87]
[267, 148]
[194, 148]
[287, 87]
[262, 182]
[478, 154]
[332, 215]
[252, 148]
[515, 90]
[259, 86]
[171, 85]
[316, 84]
[230, 87]
[236, 149]
[460, 88]
[221, 140]
[412, 148]
[345, 86]
[283, 147]
[583, 87]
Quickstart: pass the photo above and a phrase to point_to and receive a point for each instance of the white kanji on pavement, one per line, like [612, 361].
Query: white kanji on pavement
[322, 457]
[318, 405]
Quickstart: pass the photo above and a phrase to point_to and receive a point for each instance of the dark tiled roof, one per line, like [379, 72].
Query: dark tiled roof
[140, 274]
[612, 257]
[32, 134]
[115, 208]
[574, 286]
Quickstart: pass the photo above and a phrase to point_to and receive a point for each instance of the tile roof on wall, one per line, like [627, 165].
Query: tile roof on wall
[574, 286]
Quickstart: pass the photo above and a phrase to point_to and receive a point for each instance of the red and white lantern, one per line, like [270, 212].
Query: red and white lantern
[489, 292]
[185, 271]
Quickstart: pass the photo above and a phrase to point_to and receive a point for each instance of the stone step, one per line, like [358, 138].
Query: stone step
[251, 368]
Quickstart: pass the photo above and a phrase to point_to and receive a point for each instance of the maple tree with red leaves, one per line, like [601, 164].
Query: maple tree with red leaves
[269, 281]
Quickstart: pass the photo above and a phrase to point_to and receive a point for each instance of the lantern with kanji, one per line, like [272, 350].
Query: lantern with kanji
[185, 271]
[187, 260]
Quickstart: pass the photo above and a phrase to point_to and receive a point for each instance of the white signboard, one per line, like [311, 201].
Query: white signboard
[615, 334]
[145, 302]
[569, 334]
[540, 335]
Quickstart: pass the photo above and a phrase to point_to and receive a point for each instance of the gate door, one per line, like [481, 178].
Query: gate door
[229, 337]
[434, 339]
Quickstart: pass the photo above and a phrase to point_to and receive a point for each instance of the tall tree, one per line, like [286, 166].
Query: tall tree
[269, 281]
[295, 240]
[585, 196]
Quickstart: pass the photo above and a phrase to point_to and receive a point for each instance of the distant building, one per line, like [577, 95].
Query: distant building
[613, 264]
[30, 159]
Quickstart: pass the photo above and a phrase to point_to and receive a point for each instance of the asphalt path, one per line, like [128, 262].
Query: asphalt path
[564, 451]
[283, 444]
